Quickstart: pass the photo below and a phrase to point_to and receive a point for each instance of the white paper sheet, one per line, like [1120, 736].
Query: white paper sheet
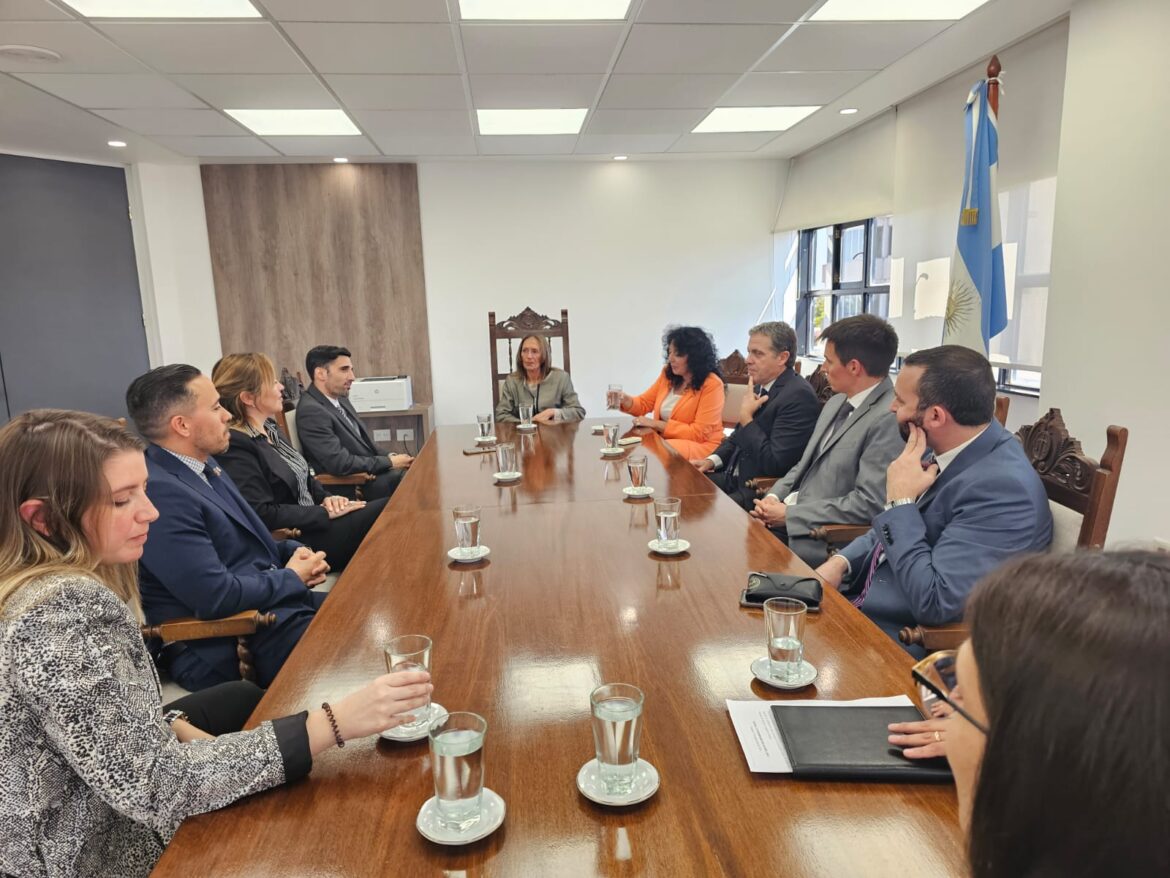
[897, 278]
[932, 284]
[760, 738]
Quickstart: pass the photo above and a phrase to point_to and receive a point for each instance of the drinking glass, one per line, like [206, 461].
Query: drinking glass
[613, 397]
[666, 510]
[526, 416]
[411, 652]
[506, 459]
[611, 435]
[457, 761]
[466, 529]
[484, 422]
[784, 622]
[637, 468]
[617, 733]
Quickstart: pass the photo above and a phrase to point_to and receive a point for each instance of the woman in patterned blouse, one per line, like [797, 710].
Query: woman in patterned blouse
[93, 780]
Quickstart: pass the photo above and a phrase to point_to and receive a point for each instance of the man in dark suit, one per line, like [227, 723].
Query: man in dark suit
[776, 418]
[841, 479]
[209, 555]
[333, 438]
[960, 499]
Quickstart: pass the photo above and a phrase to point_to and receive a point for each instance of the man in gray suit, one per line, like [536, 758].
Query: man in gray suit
[841, 478]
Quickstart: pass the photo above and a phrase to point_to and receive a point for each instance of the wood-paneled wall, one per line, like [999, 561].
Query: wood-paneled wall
[321, 254]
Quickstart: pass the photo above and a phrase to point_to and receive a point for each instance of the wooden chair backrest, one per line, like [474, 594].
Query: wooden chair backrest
[515, 329]
[820, 383]
[1002, 404]
[734, 369]
[1073, 479]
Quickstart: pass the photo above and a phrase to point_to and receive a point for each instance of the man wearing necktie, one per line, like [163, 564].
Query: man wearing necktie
[960, 499]
[209, 555]
[776, 418]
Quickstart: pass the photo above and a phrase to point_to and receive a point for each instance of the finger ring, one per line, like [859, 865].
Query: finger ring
[938, 737]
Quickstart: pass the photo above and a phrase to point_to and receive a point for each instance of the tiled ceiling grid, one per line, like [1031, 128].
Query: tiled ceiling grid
[411, 75]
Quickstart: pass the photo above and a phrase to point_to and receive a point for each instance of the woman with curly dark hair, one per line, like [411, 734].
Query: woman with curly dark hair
[687, 399]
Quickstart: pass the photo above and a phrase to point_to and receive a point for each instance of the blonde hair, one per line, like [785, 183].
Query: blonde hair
[58, 457]
[545, 357]
[241, 373]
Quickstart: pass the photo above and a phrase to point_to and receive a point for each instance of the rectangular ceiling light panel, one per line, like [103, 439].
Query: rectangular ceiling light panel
[743, 119]
[543, 10]
[895, 10]
[295, 123]
[165, 8]
[531, 121]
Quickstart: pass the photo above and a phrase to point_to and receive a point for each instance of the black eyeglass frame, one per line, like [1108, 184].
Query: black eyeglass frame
[921, 679]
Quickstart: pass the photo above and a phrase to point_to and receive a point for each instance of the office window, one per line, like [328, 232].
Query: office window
[844, 270]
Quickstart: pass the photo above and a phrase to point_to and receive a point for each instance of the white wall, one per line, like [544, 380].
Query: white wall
[626, 247]
[174, 264]
[1109, 303]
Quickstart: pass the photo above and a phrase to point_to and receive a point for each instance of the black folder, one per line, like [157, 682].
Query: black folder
[849, 743]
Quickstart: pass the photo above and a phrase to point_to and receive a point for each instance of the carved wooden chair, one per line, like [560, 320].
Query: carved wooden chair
[1080, 492]
[735, 385]
[514, 330]
[287, 421]
[820, 383]
[241, 626]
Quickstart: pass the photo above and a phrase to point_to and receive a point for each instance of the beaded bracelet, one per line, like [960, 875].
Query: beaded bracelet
[333, 722]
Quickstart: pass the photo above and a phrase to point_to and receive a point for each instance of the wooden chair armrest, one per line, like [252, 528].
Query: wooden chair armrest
[838, 534]
[239, 625]
[355, 479]
[761, 484]
[286, 533]
[934, 638]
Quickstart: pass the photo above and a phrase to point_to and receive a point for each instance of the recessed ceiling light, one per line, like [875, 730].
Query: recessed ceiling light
[165, 8]
[116, 144]
[29, 53]
[543, 10]
[278, 123]
[744, 119]
[895, 10]
[620, 158]
[848, 111]
[531, 121]
[340, 160]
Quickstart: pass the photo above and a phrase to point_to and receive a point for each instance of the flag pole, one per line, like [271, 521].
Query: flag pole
[993, 71]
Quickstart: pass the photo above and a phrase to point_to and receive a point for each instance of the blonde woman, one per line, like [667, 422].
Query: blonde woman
[94, 778]
[536, 382]
[273, 476]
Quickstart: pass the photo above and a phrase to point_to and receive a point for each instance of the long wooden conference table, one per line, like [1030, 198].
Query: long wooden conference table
[569, 598]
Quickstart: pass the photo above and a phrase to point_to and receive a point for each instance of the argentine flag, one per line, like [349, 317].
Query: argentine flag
[977, 301]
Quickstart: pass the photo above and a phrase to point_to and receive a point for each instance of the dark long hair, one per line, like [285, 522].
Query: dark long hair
[698, 347]
[1073, 653]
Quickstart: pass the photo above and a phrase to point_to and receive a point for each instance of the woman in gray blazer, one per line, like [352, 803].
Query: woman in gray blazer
[536, 383]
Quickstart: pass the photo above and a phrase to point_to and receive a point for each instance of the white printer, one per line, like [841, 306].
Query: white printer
[389, 393]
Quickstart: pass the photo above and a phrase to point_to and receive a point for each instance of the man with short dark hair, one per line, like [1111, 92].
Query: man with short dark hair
[960, 498]
[776, 417]
[209, 555]
[333, 437]
[841, 477]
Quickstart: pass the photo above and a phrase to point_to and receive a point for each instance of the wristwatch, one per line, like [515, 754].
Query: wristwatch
[901, 501]
[171, 715]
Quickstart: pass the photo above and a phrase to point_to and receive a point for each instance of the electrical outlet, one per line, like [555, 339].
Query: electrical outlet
[406, 435]
[382, 435]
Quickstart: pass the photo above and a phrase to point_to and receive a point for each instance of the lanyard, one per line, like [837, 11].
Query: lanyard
[535, 397]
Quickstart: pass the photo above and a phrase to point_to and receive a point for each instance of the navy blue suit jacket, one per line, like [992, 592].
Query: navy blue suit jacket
[209, 558]
[985, 507]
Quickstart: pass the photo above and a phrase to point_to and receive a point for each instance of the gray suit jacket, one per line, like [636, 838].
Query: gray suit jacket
[844, 483]
[333, 444]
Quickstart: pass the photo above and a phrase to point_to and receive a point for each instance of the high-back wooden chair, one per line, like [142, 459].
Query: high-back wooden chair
[820, 383]
[287, 421]
[516, 328]
[1080, 492]
[735, 385]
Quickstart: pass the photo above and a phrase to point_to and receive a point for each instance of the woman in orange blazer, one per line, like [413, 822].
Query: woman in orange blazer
[687, 399]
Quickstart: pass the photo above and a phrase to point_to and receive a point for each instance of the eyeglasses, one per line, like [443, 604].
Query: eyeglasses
[935, 676]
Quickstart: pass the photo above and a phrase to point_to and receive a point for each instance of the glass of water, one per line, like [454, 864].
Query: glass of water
[636, 466]
[506, 459]
[610, 431]
[457, 761]
[666, 510]
[617, 734]
[484, 423]
[784, 622]
[526, 416]
[466, 529]
[613, 397]
[411, 652]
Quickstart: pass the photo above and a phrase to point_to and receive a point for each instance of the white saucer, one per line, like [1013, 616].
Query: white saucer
[491, 818]
[683, 545]
[612, 452]
[505, 477]
[526, 428]
[484, 440]
[437, 711]
[644, 491]
[646, 784]
[480, 553]
[762, 671]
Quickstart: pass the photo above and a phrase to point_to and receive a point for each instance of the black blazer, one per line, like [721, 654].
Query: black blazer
[269, 484]
[331, 443]
[774, 441]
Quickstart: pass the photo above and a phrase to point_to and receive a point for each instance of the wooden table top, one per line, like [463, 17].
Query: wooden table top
[569, 598]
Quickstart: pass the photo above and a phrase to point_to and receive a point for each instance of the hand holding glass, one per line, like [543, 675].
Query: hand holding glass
[613, 397]
[411, 652]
